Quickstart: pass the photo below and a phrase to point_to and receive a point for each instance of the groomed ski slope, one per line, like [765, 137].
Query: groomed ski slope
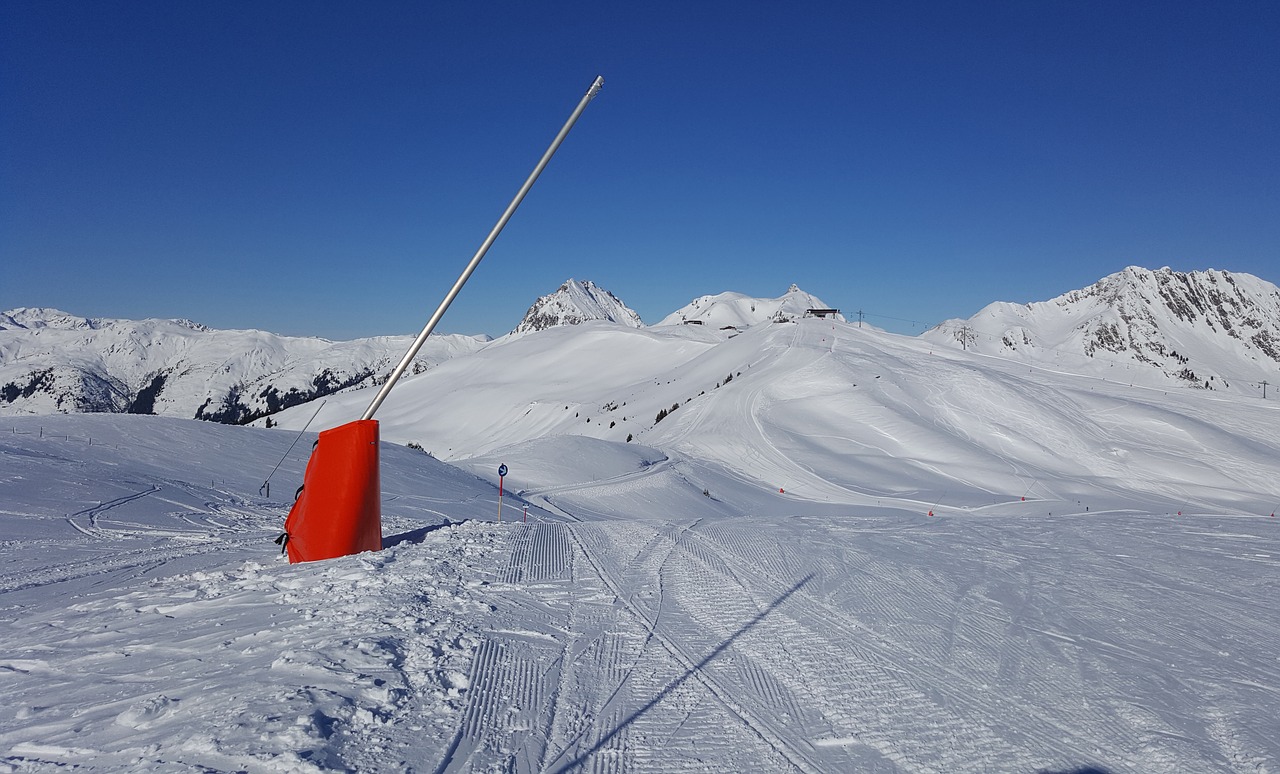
[666, 607]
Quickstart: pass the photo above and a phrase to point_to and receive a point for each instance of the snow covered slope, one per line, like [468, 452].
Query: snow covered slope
[655, 613]
[148, 622]
[740, 311]
[575, 303]
[877, 418]
[53, 362]
[567, 379]
[806, 547]
[1211, 330]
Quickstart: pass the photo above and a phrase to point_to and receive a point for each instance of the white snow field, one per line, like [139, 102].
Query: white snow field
[754, 583]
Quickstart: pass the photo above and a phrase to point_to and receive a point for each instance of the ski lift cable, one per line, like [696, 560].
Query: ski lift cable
[295, 443]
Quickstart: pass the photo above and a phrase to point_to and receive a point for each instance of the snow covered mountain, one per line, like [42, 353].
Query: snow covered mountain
[739, 311]
[864, 408]
[804, 547]
[1207, 329]
[1212, 329]
[576, 302]
[54, 362]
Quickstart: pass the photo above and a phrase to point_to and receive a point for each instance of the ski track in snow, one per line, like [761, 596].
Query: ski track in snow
[617, 646]
[664, 647]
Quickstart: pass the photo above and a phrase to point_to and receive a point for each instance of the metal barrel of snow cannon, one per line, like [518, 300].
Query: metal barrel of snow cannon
[339, 506]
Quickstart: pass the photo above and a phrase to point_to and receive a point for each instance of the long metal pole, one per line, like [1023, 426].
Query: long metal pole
[484, 248]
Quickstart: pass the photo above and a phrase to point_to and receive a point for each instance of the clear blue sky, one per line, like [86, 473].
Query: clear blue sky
[327, 168]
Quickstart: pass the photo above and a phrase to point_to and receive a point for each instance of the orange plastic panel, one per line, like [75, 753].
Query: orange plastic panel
[339, 510]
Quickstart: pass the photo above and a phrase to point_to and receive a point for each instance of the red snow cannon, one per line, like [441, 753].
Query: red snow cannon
[339, 508]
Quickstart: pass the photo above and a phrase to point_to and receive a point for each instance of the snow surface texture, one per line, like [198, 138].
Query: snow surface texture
[837, 550]
[53, 362]
[575, 303]
[1210, 330]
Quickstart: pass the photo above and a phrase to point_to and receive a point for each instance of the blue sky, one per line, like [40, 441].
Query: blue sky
[328, 168]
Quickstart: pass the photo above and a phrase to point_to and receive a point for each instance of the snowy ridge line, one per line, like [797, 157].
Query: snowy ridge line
[956, 685]
[796, 757]
[54, 363]
[1200, 328]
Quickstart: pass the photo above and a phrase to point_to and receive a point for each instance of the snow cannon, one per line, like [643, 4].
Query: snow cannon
[338, 510]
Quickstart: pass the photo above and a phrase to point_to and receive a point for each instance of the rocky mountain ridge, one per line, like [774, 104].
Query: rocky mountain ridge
[576, 302]
[1206, 329]
[55, 362]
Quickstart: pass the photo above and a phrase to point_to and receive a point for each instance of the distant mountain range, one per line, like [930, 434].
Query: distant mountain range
[1207, 329]
[54, 362]
[1210, 330]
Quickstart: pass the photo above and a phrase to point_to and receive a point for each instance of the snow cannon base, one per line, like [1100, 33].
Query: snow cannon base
[339, 507]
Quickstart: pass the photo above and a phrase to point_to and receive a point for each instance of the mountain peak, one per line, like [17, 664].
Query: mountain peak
[735, 310]
[1208, 329]
[44, 317]
[577, 302]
